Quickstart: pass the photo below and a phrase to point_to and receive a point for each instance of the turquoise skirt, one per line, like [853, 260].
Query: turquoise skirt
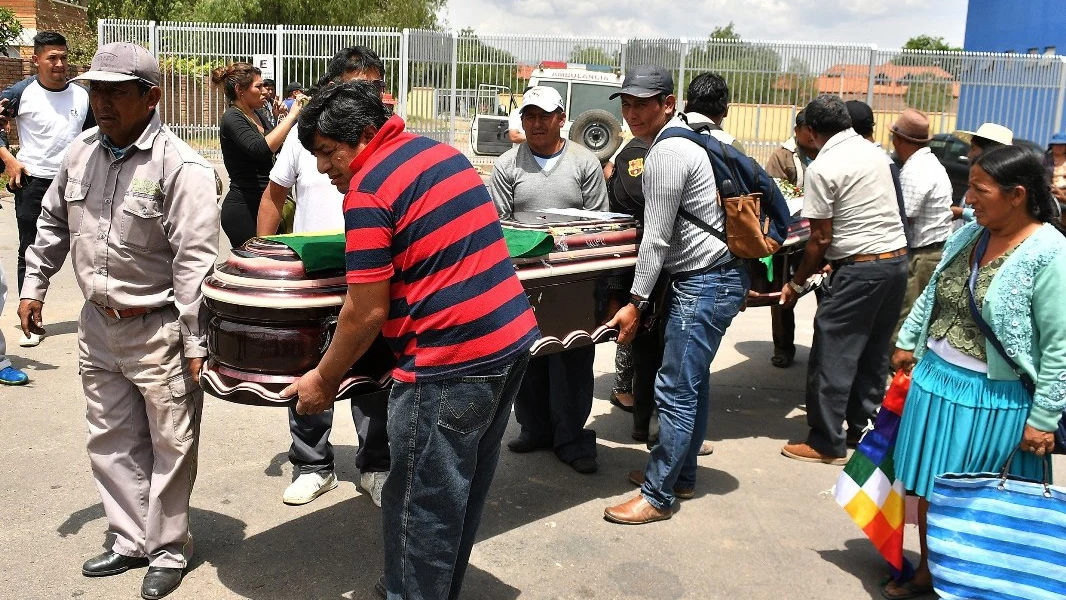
[959, 421]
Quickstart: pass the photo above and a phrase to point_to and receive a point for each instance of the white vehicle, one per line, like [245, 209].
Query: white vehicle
[592, 118]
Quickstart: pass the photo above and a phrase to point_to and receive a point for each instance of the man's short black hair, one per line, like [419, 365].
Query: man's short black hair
[353, 59]
[801, 118]
[827, 115]
[269, 82]
[707, 94]
[47, 38]
[341, 112]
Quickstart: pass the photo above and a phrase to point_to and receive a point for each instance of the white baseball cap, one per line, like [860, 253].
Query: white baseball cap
[543, 97]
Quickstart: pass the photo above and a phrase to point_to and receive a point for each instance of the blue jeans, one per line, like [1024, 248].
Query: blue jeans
[701, 307]
[445, 440]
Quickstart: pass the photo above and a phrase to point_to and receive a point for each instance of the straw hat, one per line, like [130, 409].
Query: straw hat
[989, 131]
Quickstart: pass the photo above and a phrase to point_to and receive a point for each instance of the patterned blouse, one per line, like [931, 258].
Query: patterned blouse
[951, 317]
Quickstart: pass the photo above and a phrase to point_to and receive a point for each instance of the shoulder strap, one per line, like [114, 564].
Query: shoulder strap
[982, 245]
[695, 138]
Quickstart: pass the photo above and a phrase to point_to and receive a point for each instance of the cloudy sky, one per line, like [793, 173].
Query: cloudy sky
[887, 23]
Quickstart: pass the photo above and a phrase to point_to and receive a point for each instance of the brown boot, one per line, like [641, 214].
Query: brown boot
[805, 453]
[637, 479]
[635, 512]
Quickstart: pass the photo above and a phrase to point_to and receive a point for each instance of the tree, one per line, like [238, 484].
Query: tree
[752, 71]
[10, 27]
[367, 13]
[593, 55]
[926, 42]
[928, 94]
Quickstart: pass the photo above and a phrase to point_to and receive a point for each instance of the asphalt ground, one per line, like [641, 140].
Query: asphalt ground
[760, 527]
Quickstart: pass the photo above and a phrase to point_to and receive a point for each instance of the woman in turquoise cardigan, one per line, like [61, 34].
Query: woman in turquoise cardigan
[967, 409]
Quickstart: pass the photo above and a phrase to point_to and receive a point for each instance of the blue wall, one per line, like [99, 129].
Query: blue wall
[1002, 93]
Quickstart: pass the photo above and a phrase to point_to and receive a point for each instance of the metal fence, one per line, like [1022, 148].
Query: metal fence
[434, 76]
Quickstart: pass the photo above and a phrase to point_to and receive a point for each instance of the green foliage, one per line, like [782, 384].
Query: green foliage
[10, 27]
[481, 63]
[189, 66]
[930, 95]
[592, 55]
[366, 13]
[753, 72]
[926, 42]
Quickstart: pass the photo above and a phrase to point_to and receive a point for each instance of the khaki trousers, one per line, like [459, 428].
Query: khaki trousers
[920, 269]
[143, 412]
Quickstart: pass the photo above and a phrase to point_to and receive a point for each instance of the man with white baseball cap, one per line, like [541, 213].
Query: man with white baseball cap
[546, 172]
[137, 211]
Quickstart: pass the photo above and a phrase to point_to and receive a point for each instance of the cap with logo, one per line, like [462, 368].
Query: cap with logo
[543, 97]
[122, 61]
[645, 81]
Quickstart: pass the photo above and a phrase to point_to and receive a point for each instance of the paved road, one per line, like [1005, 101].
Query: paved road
[760, 526]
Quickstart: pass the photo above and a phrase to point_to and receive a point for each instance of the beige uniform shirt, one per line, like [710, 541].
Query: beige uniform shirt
[141, 231]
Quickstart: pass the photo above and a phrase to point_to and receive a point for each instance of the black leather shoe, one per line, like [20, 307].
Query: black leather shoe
[523, 444]
[586, 465]
[111, 563]
[160, 581]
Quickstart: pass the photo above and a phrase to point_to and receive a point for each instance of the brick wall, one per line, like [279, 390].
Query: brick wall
[51, 15]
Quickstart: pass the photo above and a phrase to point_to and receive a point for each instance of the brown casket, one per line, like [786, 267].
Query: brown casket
[270, 322]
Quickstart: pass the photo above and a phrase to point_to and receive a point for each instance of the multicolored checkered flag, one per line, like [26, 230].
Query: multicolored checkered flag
[868, 489]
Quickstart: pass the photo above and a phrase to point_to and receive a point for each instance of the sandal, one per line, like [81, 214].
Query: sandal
[907, 589]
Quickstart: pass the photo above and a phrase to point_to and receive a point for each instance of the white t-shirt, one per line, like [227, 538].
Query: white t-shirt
[319, 206]
[514, 123]
[48, 121]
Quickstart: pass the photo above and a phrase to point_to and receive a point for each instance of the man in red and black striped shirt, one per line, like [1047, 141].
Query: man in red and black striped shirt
[428, 268]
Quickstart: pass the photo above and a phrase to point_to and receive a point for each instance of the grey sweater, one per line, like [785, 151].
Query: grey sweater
[677, 173]
[520, 185]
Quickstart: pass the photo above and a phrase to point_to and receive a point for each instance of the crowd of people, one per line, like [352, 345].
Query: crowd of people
[963, 296]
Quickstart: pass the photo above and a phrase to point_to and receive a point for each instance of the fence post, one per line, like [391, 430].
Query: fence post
[622, 55]
[681, 73]
[872, 76]
[153, 40]
[1061, 95]
[401, 87]
[455, 83]
[279, 58]
[99, 32]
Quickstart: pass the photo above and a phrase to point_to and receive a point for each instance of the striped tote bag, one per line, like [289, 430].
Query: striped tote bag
[997, 536]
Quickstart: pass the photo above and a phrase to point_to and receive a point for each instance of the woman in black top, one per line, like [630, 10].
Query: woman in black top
[248, 147]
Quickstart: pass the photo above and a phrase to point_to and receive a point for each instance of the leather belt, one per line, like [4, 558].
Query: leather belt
[929, 247]
[858, 258]
[126, 313]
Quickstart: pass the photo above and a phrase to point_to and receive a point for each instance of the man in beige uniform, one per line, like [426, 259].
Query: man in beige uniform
[137, 210]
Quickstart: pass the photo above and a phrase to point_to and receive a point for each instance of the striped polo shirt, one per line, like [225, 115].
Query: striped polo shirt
[417, 213]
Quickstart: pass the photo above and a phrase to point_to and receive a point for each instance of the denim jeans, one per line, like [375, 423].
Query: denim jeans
[700, 307]
[445, 439]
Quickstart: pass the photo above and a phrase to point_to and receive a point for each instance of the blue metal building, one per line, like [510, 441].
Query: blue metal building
[1026, 93]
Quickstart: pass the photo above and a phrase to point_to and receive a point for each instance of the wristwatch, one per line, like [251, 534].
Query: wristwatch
[795, 287]
[640, 303]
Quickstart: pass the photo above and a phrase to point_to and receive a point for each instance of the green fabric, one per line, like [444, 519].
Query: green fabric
[768, 262]
[524, 243]
[318, 251]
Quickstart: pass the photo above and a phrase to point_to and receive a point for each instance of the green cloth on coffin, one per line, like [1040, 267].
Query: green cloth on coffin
[318, 251]
[525, 243]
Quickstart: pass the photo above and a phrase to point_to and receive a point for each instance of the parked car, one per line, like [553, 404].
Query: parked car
[592, 118]
[952, 153]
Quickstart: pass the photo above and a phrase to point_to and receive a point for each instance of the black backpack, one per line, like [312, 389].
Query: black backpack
[624, 189]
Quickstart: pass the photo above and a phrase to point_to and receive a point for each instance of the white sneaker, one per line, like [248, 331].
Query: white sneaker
[307, 487]
[31, 341]
[372, 483]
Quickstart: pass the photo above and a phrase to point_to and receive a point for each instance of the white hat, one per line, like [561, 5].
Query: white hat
[543, 97]
[989, 131]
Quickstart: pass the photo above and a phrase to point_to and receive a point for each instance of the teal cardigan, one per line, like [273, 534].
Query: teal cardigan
[1024, 306]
